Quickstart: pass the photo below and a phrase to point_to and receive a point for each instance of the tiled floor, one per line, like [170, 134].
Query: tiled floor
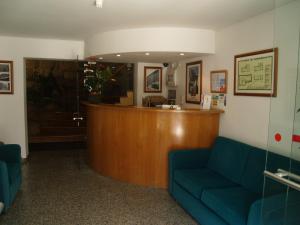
[55, 191]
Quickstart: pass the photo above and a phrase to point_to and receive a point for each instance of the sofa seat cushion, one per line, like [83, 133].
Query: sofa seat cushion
[195, 181]
[13, 170]
[231, 204]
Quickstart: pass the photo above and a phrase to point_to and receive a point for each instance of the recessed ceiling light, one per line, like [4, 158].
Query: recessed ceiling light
[100, 58]
[99, 3]
[182, 54]
[118, 55]
[147, 53]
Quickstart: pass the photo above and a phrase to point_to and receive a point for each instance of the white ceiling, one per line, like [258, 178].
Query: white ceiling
[153, 57]
[77, 19]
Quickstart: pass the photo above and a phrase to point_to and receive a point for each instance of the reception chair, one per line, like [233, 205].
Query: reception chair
[10, 173]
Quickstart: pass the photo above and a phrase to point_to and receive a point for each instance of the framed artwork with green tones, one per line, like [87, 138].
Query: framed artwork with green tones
[255, 73]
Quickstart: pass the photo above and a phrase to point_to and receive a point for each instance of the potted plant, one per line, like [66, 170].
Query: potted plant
[94, 82]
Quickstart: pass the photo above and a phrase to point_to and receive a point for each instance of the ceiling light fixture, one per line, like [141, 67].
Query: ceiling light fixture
[147, 53]
[182, 54]
[99, 3]
[118, 55]
[100, 58]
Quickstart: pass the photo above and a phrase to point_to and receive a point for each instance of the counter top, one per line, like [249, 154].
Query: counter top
[156, 109]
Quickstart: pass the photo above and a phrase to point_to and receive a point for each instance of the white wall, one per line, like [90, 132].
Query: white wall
[12, 107]
[139, 82]
[159, 39]
[246, 118]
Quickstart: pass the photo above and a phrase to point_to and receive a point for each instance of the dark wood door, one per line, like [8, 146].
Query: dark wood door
[54, 92]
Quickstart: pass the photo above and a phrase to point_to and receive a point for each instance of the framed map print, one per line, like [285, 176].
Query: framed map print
[193, 82]
[255, 73]
[152, 79]
[6, 77]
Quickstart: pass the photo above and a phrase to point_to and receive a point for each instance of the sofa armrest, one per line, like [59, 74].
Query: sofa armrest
[4, 184]
[186, 159]
[10, 153]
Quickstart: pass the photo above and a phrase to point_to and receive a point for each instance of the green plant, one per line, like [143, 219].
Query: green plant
[94, 83]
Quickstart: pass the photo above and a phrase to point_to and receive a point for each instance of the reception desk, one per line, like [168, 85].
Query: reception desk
[131, 144]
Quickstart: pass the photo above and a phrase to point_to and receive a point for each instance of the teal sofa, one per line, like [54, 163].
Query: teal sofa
[10, 173]
[224, 185]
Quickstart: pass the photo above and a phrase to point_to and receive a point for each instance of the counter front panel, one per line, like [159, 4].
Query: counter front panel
[131, 144]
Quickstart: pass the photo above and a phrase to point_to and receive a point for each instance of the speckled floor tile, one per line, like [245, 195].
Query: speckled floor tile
[59, 189]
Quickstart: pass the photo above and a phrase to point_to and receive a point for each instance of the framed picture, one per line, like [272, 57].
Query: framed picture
[218, 81]
[152, 79]
[193, 82]
[255, 73]
[6, 77]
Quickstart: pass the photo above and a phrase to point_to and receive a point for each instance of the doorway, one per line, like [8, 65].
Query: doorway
[55, 89]
[55, 117]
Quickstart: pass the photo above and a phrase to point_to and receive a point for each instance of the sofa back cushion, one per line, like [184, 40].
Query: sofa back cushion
[253, 176]
[228, 158]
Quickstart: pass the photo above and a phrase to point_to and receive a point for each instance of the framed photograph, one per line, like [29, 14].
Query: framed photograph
[6, 77]
[218, 81]
[255, 73]
[193, 82]
[152, 79]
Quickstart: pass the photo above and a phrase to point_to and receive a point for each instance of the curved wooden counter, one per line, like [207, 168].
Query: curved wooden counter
[131, 144]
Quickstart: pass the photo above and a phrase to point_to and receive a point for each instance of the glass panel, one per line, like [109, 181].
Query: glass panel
[281, 200]
[293, 197]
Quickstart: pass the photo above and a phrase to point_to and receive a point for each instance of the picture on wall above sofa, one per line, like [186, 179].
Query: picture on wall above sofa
[6, 77]
[193, 82]
[255, 73]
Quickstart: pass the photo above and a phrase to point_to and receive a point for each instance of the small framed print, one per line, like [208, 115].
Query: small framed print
[6, 77]
[218, 81]
[255, 73]
[193, 82]
[152, 79]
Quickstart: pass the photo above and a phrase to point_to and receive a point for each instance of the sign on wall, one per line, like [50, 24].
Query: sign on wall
[218, 81]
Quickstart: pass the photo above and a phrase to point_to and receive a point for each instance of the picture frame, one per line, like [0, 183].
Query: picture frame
[152, 79]
[218, 81]
[6, 77]
[255, 73]
[193, 82]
